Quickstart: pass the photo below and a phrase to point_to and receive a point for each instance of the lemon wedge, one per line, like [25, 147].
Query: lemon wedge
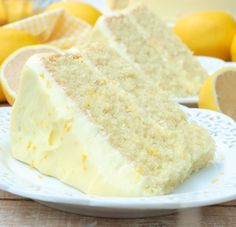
[218, 92]
[11, 68]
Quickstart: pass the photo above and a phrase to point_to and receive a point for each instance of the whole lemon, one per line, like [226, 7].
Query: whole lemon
[11, 40]
[208, 33]
[78, 9]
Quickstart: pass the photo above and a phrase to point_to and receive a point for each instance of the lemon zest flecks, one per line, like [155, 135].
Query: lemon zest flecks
[67, 124]
[42, 76]
[84, 159]
[87, 104]
[45, 156]
[139, 173]
[153, 152]
[29, 145]
[51, 138]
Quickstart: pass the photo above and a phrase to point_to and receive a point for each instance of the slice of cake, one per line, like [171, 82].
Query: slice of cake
[146, 43]
[93, 121]
[173, 10]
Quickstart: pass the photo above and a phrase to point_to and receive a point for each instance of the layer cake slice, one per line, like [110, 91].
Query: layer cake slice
[91, 120]
[145, 42]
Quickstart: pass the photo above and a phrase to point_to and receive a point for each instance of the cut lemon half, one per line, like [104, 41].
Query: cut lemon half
[219, 92]
[11, 68]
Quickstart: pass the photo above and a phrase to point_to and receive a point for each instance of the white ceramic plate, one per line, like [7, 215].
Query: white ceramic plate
[211, 185]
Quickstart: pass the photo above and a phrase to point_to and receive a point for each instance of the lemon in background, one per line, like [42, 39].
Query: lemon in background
[218, 92]
[18, 9]
[78, 9]
[13, 10]
[208, 33]
[11, 40]
[2, 96]
[3, 16]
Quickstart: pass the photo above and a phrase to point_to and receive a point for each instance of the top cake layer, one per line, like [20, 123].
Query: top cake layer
[145, 42]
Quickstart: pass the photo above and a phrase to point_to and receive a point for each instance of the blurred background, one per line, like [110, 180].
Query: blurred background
[14, 10]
